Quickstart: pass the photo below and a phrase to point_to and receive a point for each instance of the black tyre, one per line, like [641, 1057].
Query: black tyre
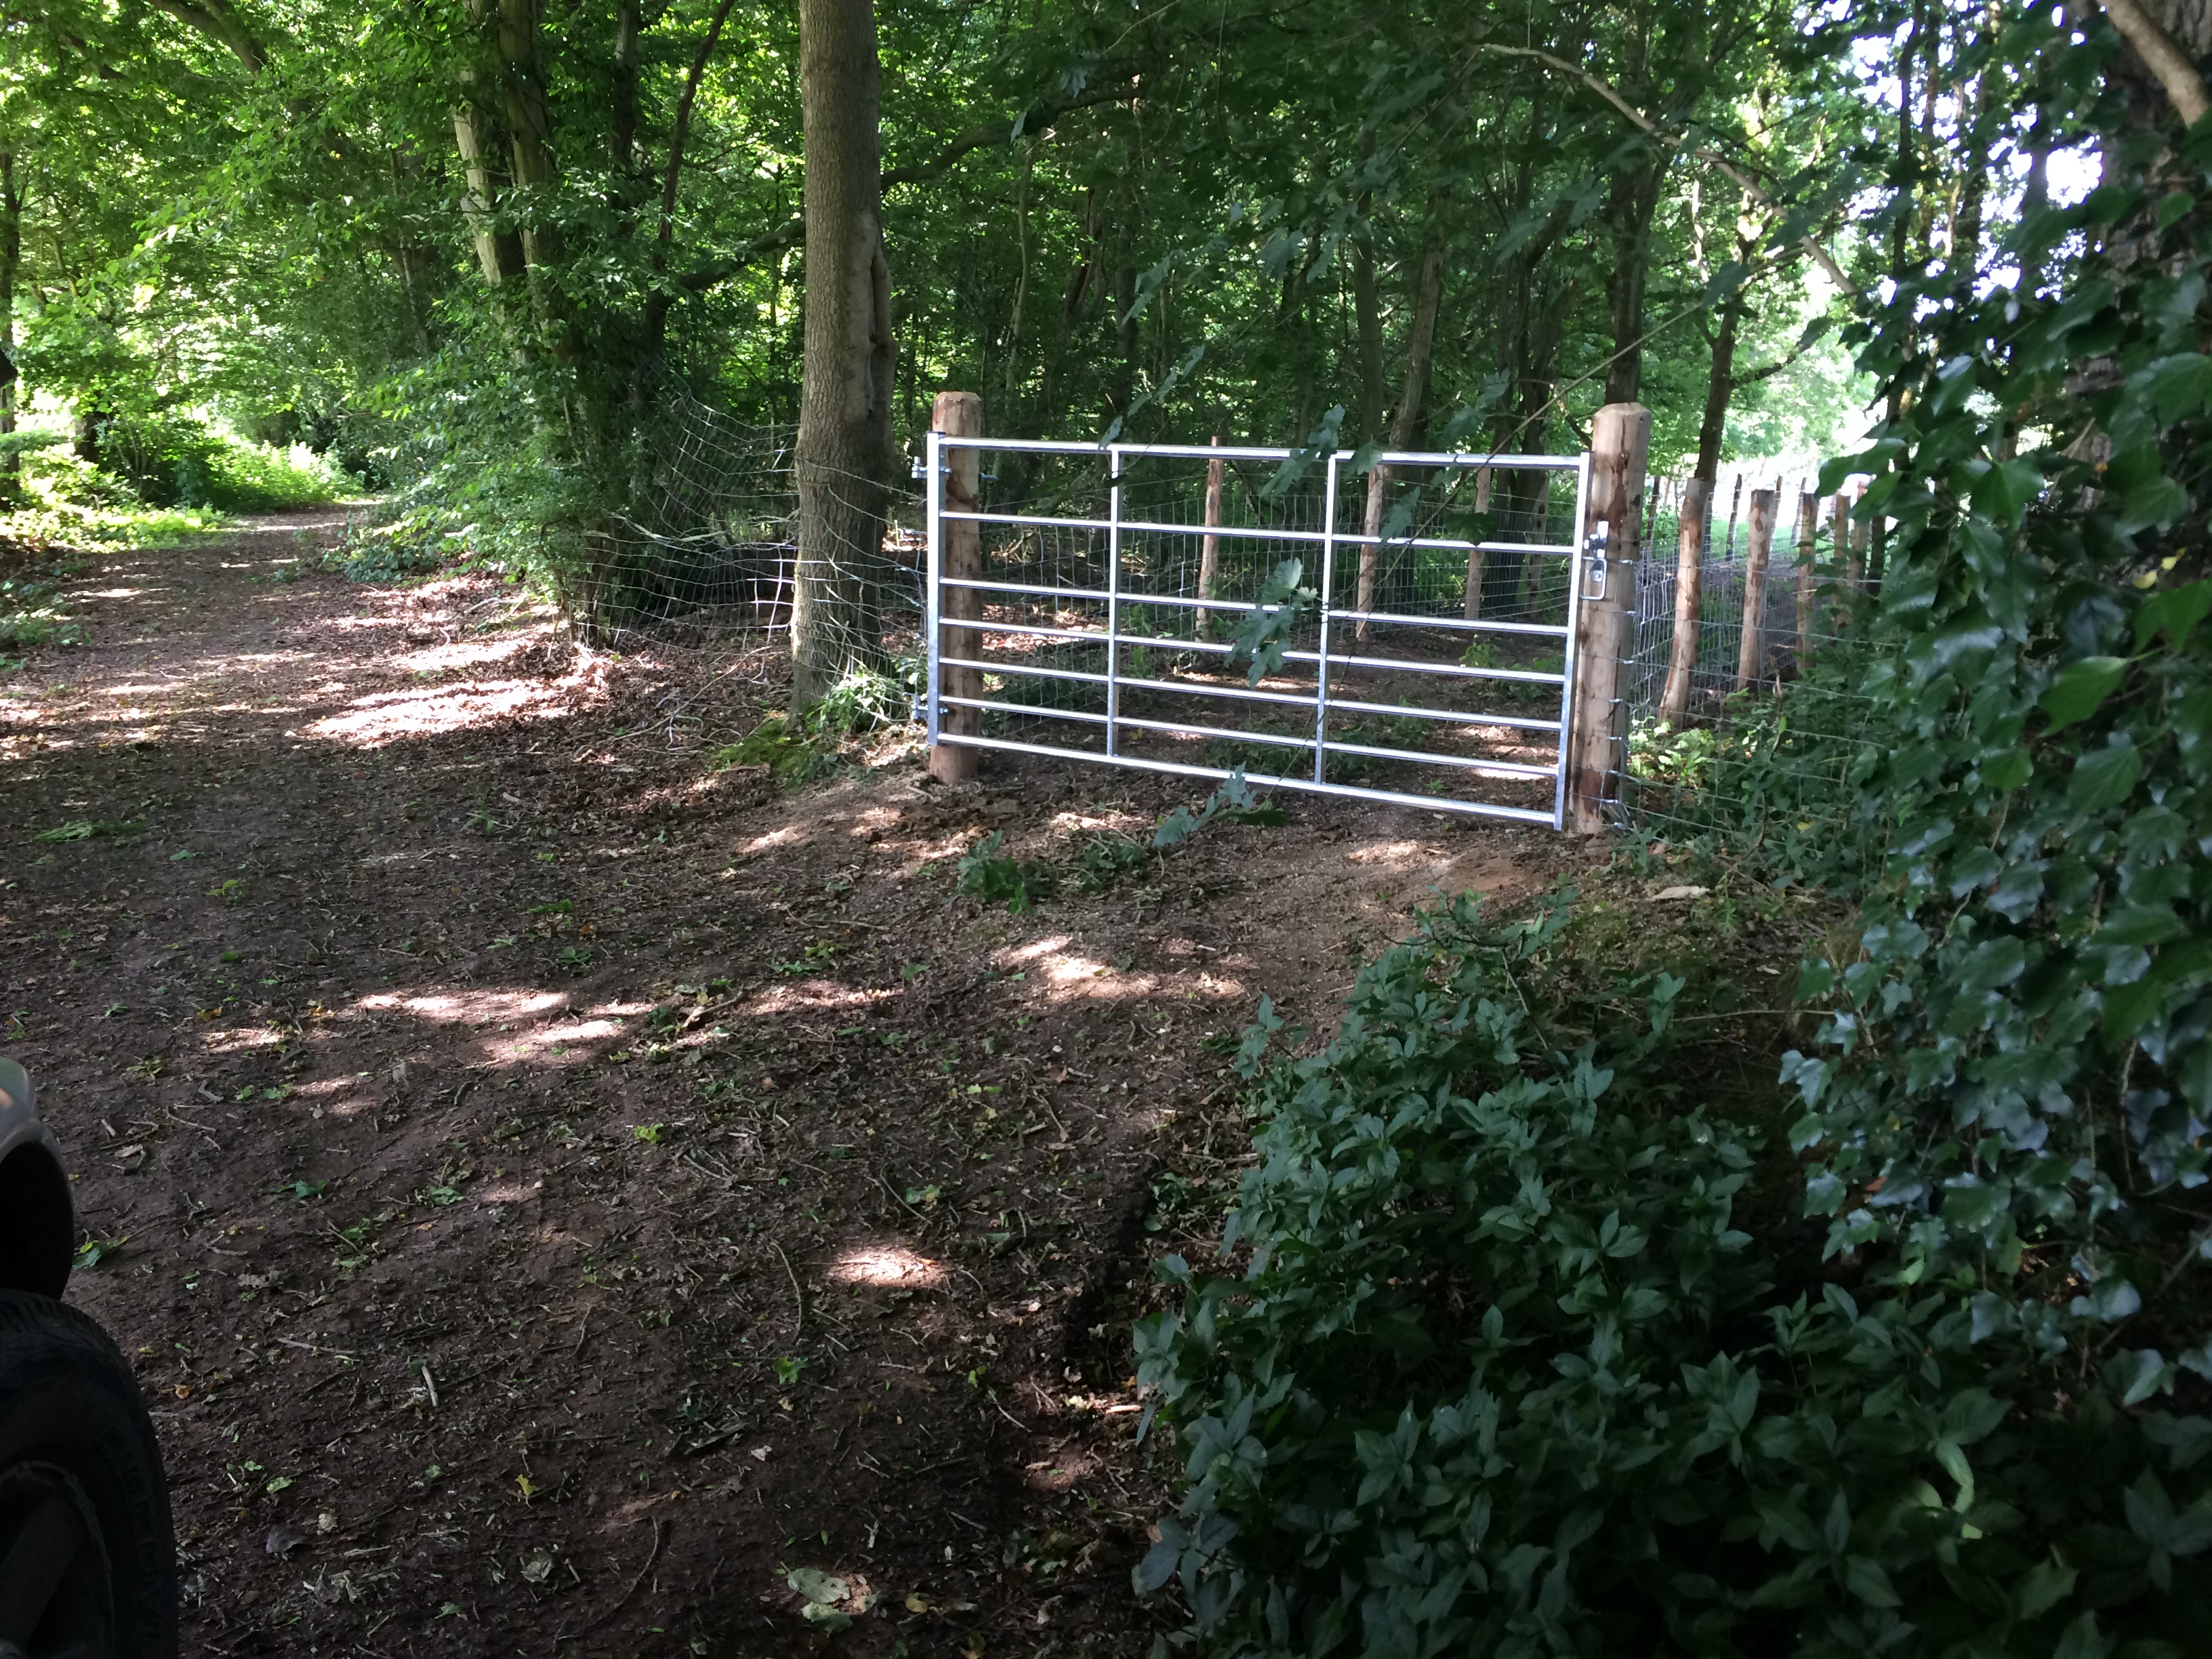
[88, 1555]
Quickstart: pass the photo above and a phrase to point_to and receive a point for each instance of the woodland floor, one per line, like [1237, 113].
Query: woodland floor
[554, 1188]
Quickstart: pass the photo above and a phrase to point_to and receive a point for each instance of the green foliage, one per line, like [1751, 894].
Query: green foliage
[176, 460]
[2014, 1083]
[995, 877]
[797, 750]
[1102, 857]
[1506, 1372]
[1233, 800]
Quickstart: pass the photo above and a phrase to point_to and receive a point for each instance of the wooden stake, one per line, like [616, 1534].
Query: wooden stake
[1751, 653]
[1209, 551]
[1735, 507]
[1689, 583]
[959, 414]
[1862, 536]
[1620, 450]
[1809, 545]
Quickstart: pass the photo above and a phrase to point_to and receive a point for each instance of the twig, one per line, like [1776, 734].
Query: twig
[623, 1600]
[797, 1295]
[430, 1386]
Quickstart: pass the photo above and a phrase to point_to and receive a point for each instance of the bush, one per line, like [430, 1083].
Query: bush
[176, 460]
[1507, 1374]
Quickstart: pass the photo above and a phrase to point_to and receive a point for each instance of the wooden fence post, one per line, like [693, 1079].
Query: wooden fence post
[1808, 547]
[1209, 551]
[1689, 590]
[1621, 449]
[1861, 535]
[959, 414]
[1750, 655]
[1735, 509]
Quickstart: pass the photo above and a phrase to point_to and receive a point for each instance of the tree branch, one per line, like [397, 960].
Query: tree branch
[2164, 58]
[220, 24]
[1650, 128]
[793, 232]
[683, 130]
[1002, 132]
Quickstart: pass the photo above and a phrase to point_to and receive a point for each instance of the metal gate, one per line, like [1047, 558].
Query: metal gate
[1081, 598]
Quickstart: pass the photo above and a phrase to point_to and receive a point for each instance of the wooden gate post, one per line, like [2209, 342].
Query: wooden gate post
[1809, 549]
[1209, 551]
[1750, 657]
[1620, 450]
[1689, 592]
[959, 414]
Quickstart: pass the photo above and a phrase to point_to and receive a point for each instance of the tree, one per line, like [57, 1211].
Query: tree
[845, 445]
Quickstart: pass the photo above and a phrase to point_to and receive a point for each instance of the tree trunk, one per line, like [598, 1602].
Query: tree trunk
[1367, 321]
[1406, 427]
[1720, 386]
[1689, 593]
[850, 359]
[11, 260]
[498, 252]
[529, 124]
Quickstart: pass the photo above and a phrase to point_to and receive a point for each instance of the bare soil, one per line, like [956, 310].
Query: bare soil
[553, 1189]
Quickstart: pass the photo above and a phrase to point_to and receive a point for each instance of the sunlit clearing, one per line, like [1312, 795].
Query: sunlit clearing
[887, 1264]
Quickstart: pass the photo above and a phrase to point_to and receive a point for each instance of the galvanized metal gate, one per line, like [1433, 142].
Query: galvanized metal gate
[1080, 596]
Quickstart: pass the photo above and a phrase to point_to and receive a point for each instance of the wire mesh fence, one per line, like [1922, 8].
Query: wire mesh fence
[709, 558]
[1758, 721]
[710, 549]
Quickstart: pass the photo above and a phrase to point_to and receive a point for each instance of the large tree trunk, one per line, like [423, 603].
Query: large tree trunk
[850, 359]
[498, 252]
[1406, 426]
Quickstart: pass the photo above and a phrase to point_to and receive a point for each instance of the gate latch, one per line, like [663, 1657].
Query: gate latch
[1594, 546]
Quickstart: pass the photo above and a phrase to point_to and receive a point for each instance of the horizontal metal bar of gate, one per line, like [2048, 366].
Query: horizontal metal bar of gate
[1267, 780]
[1326, 668]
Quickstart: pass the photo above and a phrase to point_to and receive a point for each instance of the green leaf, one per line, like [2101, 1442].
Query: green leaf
[2083, 686]
[2175, 613]
[2103, 778]
[1864, 1577]
[2180, 386]
[2042, 1588]
[2004, 491]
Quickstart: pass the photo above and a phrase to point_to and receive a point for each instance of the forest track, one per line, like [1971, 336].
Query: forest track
[553, 1189]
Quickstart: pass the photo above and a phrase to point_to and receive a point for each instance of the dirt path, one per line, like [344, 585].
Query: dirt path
[557, 1190]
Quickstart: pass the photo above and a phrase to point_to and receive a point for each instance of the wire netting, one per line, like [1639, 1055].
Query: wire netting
[711, 549]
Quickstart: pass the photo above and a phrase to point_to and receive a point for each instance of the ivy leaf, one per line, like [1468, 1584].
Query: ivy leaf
[2006, 488]
[2105, 777]
[2180, 386]
[2175, 612]
[2078, 692]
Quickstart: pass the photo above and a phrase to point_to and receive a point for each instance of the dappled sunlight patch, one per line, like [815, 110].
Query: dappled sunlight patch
[466, 1007]
[887, 1264]
[239, 1038]
[443, 658]
[389, 716]
[791, 835]
[1389, 855]
[813, 994]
